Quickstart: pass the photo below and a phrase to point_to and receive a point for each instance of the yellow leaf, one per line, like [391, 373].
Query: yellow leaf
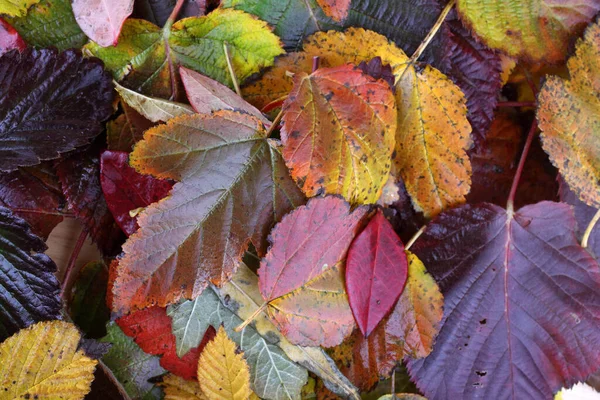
[16, 8]
[222, 371]
[177, 388]
[569, 116]
[43, 362]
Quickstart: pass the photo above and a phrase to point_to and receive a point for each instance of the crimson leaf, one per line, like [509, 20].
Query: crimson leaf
[9, 38]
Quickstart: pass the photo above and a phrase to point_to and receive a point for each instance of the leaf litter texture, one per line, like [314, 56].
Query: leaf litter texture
[521, 313]
[67, 97]
[338, 129]
[233, 185]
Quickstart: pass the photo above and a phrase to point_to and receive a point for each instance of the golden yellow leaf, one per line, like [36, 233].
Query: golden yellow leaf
[177, 388]
[222, 371]
[43, 362]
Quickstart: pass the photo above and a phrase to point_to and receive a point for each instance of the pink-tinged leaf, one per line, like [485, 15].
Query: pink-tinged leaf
[10, 38]
[376, 271]
[522, 310]
[125, 189]
[102, 20]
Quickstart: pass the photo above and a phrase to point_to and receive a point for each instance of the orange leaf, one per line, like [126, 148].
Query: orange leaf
[335, 9]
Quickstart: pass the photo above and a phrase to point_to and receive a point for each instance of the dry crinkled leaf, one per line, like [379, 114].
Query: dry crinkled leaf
[336, 9]
[177, 388]
[222, 371]
[101, 20]
[16, 8]
[152, 108]
[338, 133]
[533, 30]
[233, 185]
[569, 115]
[43, 361]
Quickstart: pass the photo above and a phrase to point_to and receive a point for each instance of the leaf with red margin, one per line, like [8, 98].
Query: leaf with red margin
[376, 271]
[10, 38]
[125, 189]
[151, 329]
[522, 311]
[301, 278]
[102, 20]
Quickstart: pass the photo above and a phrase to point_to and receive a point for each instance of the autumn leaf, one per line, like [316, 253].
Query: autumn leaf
[222, 372]
[101, 20]
[146, 58]
[87, 305]
[402, 396]
[225, 165]
[376, 271]
[335, 9]
[44, 361]
[67, 96]
[177, 388]
[16, 7]
[9, 38]
[152, 108]
[351, 153]
[126, 190]
[29, 290]
[532, 30]
[126, 130]
[569, 113]
[521, 312]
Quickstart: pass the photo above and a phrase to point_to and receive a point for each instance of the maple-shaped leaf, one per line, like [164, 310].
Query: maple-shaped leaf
[147, 57]
[34, 194]
[43, 361]
[50, 103]
[127, 129]
[177, 388]
[53, 17]
[335, 9]
[101, 20]
[130, 365]
[301, 278]
[10, 38]
[338, 133]
[16, 7]
[158, 11]
[29, 291]
[233, 185]
[569, 113]
[152, 108]
[376, 271]
[532, 30]
[87, 305]
[521, 313]
[222, 371]
[125, 189]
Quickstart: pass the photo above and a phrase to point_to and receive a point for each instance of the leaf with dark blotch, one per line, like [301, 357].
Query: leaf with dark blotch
[376, 270]
[50, 103]
[87, 306]
[29, 291]
[302, 276]
[522, 311]
[10, 38]
[34, 194]
[101, 20]
[125, 189]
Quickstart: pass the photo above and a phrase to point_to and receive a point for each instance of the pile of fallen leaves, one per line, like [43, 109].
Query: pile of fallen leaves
[299, 199]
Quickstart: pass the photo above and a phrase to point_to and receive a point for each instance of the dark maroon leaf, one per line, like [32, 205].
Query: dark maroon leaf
[34, 194]
[87, 306]
[405, 220]
[93, 349]
[125, 189]
[10, 38]
[522, 311]
[377, 70]
[29, 291]
[79, 175]
[158, 11]
[50, 103]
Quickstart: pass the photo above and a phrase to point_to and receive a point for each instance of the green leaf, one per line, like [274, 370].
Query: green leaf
[88, 300]
[50, 23]
[130, 365]
[16, 7]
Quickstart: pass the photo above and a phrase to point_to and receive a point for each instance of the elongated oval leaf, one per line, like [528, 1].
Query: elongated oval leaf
[101, 20]
[152, 108]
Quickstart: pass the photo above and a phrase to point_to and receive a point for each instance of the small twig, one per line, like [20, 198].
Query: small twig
[415, 237]
[251, 318]
[231, 71]
[588, 230]
[274, 104]
[432, 32]
[71, 265]
[517, 104]
[394, 384]
[517, 178]
[315, 63]
[275, 124]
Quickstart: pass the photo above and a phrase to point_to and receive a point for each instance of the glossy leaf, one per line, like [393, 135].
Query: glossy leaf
[9, 38]
[87, 305]
[302, 276]
[521, 315]
[569, 113]
[177, 388]
[152, 108]
[125, 189]
[130, 365]
[376, 271]
[145, 54]
[338, 133]
[335, 9]
[233, 187]
[532, 30]
[29, 291]
[66, 97]
[16, 7]
[44, 361]
[101, 20]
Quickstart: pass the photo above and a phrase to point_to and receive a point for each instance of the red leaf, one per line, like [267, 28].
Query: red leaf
[125, 189]
[102, 20]
[376, 271]
[10, 38]
[522, 311]
[151, 329]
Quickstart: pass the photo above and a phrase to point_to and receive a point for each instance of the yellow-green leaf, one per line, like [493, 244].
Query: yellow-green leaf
[42, 361]
[16, 8]
[177, 388]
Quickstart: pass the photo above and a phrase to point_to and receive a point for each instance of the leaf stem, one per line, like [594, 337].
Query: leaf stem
[517, 178]
[174, 14]
[415, 237]
[432, 32]
[236, 85]
[71, 265]
[588, 230]
[517, 104]
[315, 63]
[276, 122]
[251, 318]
